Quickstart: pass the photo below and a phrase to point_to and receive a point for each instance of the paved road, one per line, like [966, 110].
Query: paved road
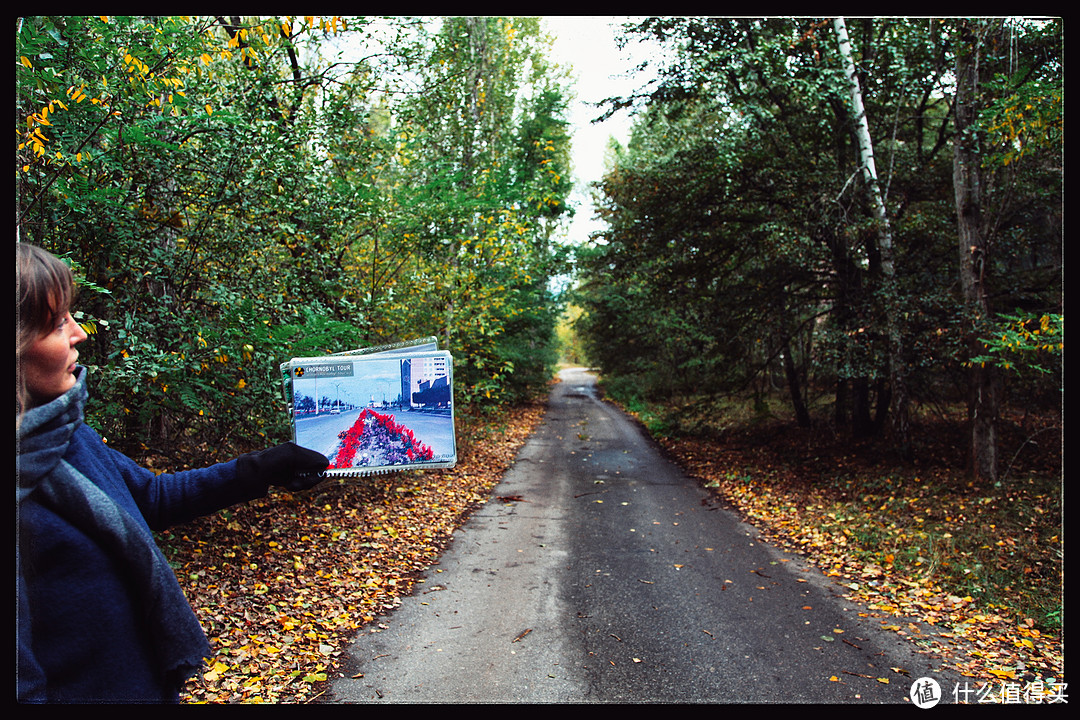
[617, 579]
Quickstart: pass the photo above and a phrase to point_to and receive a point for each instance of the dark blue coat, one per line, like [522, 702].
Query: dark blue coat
[81, 637]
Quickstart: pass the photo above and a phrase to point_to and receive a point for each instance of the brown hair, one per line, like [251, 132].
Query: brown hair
[46, 289]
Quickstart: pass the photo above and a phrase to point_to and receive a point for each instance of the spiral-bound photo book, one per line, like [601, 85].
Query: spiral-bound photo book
[375, 410]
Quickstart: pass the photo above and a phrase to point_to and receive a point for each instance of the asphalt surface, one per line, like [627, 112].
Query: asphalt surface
[600, 573]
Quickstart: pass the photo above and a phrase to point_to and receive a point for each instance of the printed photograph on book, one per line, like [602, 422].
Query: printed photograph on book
[375, 412]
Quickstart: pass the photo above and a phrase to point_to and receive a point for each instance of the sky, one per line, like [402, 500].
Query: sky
[586, 43]
[375, 379]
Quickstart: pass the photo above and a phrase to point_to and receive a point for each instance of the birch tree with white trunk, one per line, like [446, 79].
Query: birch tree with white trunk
[897, 374]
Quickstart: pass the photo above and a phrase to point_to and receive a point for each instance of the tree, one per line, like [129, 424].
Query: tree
[985, 402]
[754, 90]
[740, 242]
[677, 295]
[487, 147]
[239, 199]
[897, 361]
[978, 48]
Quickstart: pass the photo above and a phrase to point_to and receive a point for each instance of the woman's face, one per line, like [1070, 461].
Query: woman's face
[49, 363]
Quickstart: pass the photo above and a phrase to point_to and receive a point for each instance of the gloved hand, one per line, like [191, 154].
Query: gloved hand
[289, 465]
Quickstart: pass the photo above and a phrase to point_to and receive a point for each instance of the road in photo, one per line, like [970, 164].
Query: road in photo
[380, 411]
[320, 432]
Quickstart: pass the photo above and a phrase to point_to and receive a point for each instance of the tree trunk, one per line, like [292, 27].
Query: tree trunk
[862, 424]
[897, 366]
[802, 415]
[884, 397]
[983, 403]
[840, 404]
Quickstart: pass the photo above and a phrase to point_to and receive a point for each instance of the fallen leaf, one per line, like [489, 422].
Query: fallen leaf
[510, 498]
[320, 566]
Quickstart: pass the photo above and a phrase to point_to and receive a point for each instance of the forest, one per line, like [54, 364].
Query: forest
[867, 216]
[861, 221]
[236, 191]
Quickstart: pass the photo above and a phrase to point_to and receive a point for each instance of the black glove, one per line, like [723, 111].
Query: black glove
[289, 465]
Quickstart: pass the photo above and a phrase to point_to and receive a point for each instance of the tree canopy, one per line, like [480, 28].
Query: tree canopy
[234, 191]
[747, 245]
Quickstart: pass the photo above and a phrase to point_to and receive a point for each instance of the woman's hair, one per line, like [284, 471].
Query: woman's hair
[46, 289]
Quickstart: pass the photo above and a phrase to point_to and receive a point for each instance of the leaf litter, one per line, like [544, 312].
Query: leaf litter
[894, 546]
[282, 583]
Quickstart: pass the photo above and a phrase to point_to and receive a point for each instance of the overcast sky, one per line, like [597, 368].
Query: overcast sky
[587, 45]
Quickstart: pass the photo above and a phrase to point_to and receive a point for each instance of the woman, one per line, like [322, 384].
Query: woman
[101, 616]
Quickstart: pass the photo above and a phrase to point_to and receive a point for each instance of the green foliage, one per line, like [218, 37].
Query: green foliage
[484, 181]
[741, 253]
[231, 199]
[1024, 109]
[1024, 341]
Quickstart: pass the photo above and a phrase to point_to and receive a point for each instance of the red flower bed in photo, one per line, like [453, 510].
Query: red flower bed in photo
[376, 439]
